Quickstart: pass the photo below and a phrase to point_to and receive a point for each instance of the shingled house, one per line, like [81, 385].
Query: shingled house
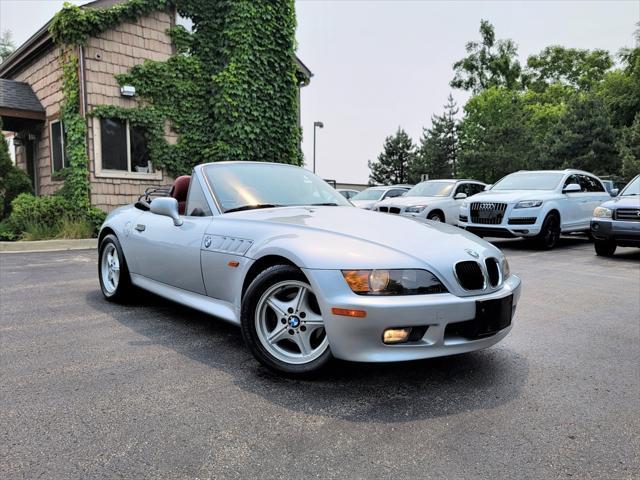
[31, 97]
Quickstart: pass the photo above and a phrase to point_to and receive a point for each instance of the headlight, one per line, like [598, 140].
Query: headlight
[506, 270]
[602, 212]
[415, 209]
[393, 282]
[529, 204]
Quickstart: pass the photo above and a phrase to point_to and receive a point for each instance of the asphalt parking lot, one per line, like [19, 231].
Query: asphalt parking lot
[154, 390]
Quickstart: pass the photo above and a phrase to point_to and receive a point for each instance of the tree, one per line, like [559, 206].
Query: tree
[584, 138]
[494, 138]
[392, 166]
[490, 63]
[6, 45]
[629, 146]
[438, 152]
[580, 69]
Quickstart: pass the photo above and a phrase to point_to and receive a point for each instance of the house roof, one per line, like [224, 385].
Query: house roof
[19, 106]
[42, 40]
[18, 96]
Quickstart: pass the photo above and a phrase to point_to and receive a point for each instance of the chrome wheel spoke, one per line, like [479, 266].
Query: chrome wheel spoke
[302, 340]
[278, 306]
[300, 299]
[278, 333]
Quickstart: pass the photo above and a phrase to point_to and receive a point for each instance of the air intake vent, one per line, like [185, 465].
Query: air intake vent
[493, 269]
[383, 209]
[470, 275]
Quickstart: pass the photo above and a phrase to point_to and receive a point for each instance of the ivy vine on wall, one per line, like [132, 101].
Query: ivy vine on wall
[230, 91]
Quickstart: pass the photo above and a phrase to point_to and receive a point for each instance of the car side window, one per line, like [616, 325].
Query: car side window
[572, 179]
[393, 193]
[590, 184]
[197, 205]
[475, 188]
[462, 188]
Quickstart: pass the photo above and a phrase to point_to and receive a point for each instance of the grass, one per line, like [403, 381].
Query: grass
[66, 228]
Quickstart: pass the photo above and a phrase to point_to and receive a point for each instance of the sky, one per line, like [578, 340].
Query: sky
[383, 64]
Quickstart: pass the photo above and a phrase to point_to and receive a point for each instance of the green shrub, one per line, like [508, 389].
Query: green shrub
[40, 231]
[28, 210]
[74, 228]
[13, 181]
[8, 231]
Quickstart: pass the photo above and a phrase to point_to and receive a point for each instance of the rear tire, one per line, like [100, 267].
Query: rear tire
[605, 248]
[113, 272]
[549, 233]
[282, 324]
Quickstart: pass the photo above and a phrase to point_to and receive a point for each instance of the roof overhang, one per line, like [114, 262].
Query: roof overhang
[20, 108]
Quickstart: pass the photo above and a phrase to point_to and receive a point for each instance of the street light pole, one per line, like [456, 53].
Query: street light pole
[315, 125]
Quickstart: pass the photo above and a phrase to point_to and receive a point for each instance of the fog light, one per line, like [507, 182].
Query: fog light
[396, 335]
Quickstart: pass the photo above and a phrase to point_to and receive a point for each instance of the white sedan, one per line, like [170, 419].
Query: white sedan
[437, 200]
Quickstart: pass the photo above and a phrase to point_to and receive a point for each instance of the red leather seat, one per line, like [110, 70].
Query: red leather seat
[179, 191]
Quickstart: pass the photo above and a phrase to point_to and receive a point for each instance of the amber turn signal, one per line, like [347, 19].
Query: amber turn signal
[346, 312]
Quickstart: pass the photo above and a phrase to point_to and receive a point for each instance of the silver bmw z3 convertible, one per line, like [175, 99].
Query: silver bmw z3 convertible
[306, 275]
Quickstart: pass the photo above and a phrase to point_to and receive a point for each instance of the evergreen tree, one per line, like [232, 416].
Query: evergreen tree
[392, 165]
[438, 152]
[584, 138]
[13, 180]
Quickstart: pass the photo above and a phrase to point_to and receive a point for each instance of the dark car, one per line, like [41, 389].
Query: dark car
[617, 221]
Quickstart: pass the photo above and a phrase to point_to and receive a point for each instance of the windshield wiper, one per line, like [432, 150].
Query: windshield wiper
[252, 207]
[328, 204]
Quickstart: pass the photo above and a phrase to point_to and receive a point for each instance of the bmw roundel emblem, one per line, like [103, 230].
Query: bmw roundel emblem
[207, 241]
[473, 253]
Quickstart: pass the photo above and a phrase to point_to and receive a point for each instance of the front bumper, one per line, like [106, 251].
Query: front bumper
[625, 233]
[360, 339]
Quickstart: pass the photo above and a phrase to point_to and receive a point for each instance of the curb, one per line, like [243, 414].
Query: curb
[48, 245]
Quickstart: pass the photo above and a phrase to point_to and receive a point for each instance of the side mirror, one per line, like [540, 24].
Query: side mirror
[167, 206]
[460, 196]
[572, 188]
[614, 192]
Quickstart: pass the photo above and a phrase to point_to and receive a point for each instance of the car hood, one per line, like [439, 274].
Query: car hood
[409, 201]
[347, 237]
[509, 196]
[628, 201]
[364, 203]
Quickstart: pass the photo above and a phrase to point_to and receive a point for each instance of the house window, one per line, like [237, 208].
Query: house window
[123, 147]
[58, 158]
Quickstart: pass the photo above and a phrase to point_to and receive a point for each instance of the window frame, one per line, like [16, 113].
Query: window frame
[124, 174]
[196, 181]
[65, 163]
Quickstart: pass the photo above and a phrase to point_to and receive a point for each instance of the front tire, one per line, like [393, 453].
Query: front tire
[436, 216]
[113, 272]
[549, 233]
[605, 248]
[282, 324]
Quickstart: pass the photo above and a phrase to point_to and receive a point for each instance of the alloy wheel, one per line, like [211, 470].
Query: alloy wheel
[289, 323]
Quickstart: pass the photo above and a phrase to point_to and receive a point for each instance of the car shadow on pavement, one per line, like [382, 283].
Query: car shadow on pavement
[566, 241]
[395, 392]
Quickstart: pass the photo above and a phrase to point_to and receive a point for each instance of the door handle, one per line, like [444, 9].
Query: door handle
[140, 227]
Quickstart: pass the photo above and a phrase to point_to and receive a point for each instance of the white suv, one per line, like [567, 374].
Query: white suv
[437, 200]
[538, 204]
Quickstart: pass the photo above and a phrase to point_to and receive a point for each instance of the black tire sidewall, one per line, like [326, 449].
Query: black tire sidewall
[124, 282]
[259, 285]
[605, 248]
[541, 239]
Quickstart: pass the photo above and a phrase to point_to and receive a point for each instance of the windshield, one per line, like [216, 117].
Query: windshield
[247, 185]
[431, 188]
[369, 194]
[529, 181]
[633, 188]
